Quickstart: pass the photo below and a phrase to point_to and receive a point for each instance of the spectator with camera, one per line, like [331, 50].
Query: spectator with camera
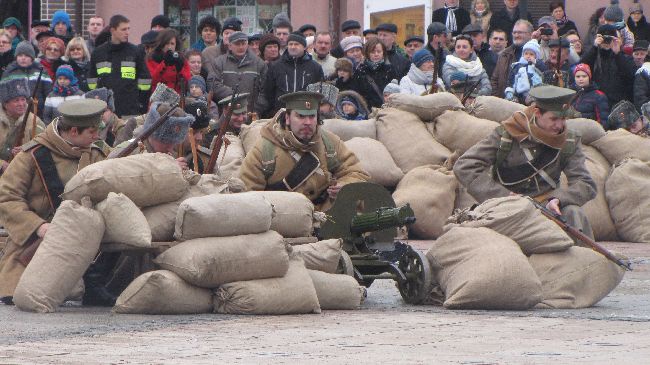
[166, 64]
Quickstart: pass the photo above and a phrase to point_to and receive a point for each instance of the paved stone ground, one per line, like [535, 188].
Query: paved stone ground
[385, 330]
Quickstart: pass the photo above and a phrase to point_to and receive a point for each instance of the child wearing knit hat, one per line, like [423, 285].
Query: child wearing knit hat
[589, 101]
[525, 73]
[66, 87]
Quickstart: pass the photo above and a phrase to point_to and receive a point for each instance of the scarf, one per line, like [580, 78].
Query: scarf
[420, 77]
[451, 18]
[522, 126]
[374, 66]
[53, 141]
[560, 23]
[65, 90]
[470, 68]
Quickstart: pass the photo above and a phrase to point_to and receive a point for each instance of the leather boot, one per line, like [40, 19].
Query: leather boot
[7, 300]
[95, 278]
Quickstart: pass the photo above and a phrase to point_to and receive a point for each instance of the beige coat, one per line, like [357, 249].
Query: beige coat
[8, 125]
[349, 171]
[24, 204]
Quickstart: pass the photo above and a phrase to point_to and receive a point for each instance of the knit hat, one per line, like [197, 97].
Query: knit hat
[297, 37]
[584, 68]
[198, 81]
[392, 87]
[25, 48]
[421, 56]
[103, 94]
[232, 23]
[343, 64]
[174, 130]
[60, 16]
[636, 7]
[281, 20]
[209, 21]
[14, 88]
[267, 39]
[199, 110]
[534, 47]
[12, 21]
[328, 90]
[458, 76]
[348, 100]
[351, 42]
[67, 72]
[163, 94]
[160, 20]
[613, 13]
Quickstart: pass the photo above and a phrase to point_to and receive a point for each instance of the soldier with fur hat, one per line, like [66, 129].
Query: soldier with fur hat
[295, 154]
[30, 188]
[330, 93]
[624, 115]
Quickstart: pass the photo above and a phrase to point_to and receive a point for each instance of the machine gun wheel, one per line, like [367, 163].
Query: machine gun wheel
[419, 281]
[345, 265]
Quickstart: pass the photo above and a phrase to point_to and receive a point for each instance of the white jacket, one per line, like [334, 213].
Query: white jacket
[415, 82]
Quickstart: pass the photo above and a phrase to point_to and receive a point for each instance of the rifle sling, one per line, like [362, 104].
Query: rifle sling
[516, 174]
[304, 168]
[50, 178]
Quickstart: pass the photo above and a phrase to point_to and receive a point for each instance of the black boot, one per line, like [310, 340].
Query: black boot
[7, 300]
[95, 278]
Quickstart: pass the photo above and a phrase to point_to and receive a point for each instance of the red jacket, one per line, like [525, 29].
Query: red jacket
[160, 72]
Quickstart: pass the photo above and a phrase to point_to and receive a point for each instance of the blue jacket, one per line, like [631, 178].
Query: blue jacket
[592, 103]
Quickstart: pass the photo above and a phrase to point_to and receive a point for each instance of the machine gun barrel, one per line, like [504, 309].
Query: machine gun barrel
[381, 219]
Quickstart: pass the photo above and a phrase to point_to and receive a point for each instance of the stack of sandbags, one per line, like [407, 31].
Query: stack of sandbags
[430, 190]
[230, 163]
[124, 221]
[376, 161]
[589, 129]
[620, 144]
[336, 291]
[597, 210]
[250, 133]
[458, 130]
[626, 191]
[348, 129]
[406, 138]
[68, 248]
[427, 107]
[293, 213]
[494, 108]
[478, 268]
[321, 256]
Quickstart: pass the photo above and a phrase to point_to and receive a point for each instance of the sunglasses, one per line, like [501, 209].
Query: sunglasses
[52, 49]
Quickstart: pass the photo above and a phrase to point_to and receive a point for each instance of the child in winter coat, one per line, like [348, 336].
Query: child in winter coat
[196, 91]
[589, 101]
[66, 87]
[525, 73]
[351, 106]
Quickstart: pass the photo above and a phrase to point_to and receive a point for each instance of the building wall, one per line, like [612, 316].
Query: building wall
[139, 12]
[317, 12]
[48, 7]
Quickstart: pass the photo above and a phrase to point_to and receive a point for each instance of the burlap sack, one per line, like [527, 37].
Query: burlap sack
[494, 108]
[147, 179]
[431, 191]
[517, 218]
[589, 129]
[163, 292]
[407, 140]
[69, 246]
[221, 215]
[294, 293]
[250, 133]
[348, 129]
[124, 221]
[597, 210]
[230, 164]
[478, 268]
[321, 256]
[458, 131]
[576, 278]
[77, 292]
[293, 213]
[620, 144]
[376, 161]
[337, 291]
[210, 262]
[427, 107]
[626, 191]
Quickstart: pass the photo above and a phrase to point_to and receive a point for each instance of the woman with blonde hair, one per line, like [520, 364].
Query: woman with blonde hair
[6, 53]
[481, 14]
[78, 57]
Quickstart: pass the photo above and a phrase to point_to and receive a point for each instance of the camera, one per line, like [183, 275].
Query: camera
[607, 39]
[546, 31]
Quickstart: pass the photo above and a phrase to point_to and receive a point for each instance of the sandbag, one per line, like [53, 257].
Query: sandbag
[69, 246]
[463, 198]
[589, 129]
[210, 262]
[124, 221]
[431, 191]
[576, 278]
[597, 210]
[626, 191]
[478, 268]
[147, 179]
[293, 213]
[250, 133]
[494, 108]
[337, 291]
[221, 215]
[407, 140]
[348, 129]
[230, 164]
[458, 131]
[620, 144]
[294, 293]
[321, 256]
[376, 161]
[427, 107]
[517, 218]
[163, 292]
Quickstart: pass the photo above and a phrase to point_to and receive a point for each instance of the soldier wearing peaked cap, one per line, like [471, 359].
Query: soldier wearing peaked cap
[238, 118]
[526, 154]
[295, 154]
[30, 188]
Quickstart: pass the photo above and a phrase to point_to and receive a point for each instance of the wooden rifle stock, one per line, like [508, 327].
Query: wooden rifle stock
[222, 132]
[20, 135]
[558, 67]
[436, 70]
[145, 134]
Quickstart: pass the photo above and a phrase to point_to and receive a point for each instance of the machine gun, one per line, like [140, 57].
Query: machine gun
[365, 217]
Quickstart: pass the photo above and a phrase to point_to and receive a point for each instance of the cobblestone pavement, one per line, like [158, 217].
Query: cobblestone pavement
[385, 330]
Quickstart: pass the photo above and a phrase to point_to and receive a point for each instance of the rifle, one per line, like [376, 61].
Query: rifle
[469, 91]
[252, 115]
[577, 234]
[145, 134]
[21, 128]
[436, 70]
[558, 67]
[222, 132]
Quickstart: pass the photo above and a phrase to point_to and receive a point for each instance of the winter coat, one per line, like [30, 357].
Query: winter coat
[499, 78]
[488, 58]
[288, 75]
[160, 71]
[342, 85]
[5, 60]
[549, 77]
[569, 25]
[8, 131]
[483, 20]
[52, 104]
[592, 103]
[370, 83]
[359, 101]
[502, 20]
[614, 73]
[399, 62]
[534, 75]
[642, 85]
[462, 18]
[81, 72]
[31, 72]
[416, 82]
[641, 29]
[249, 73]
[451, 66]
[327, 63]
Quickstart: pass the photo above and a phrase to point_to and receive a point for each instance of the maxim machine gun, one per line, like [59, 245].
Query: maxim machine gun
[364, 215]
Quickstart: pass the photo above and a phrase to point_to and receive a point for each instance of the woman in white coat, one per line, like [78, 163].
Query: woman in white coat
[420, 76]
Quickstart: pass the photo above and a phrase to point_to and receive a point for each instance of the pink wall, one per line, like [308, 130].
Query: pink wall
[316, 12]
[139, 12]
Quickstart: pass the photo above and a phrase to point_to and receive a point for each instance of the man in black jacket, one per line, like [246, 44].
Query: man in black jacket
[505, 18]
[291, 73]
[396, 56]
[452, 16]
[482, 49]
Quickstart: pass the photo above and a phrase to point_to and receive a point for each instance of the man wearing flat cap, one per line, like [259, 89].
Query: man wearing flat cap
[387, 33]
[209, 54]
[526, 154]
[437, 38]
[30, 188]
[413, 44]
[348, 28]
[295, 154]
[554, 75]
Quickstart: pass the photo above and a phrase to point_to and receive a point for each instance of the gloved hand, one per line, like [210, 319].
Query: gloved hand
[536, 79]
[169, 58]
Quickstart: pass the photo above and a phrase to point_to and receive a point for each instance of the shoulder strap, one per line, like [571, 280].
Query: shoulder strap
[374, 86]
[50, 178]
[505, 146]
[569, 147]
[268, 158]
[29, 145]
[333, 162]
